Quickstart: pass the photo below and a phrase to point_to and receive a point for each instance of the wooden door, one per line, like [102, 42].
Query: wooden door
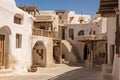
[1, 50]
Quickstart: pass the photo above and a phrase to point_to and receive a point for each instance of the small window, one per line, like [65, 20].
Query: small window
[18, 40]
[18, 19]
[81, 33]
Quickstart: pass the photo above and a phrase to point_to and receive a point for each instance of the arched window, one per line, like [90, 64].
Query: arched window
[18, 19]
[81, 32]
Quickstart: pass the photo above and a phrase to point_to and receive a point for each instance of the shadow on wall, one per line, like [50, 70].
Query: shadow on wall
[67, 53]
[39, 54]
[93, 73]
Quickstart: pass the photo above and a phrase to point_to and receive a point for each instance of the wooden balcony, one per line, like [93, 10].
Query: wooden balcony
[45, 33]
[43, 18]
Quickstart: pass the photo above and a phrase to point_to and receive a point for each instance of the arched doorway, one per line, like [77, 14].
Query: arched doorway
[86, 51]
[39, 54]
[4, 47]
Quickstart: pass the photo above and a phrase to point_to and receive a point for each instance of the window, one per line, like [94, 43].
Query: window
[90, 32]
[18, 40]
[81, 33]
[94, 32]
[18, 19]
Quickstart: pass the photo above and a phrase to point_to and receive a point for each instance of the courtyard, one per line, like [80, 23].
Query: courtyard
[58, 72]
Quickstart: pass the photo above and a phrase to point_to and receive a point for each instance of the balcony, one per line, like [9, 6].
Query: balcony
[53, 34]
[43, 18]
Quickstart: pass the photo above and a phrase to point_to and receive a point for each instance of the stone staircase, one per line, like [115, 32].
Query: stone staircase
[75, 51]
[107, 72]
[5, 73]
[67, 53]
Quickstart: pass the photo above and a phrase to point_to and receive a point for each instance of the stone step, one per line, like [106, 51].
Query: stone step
[3, 71]
[97, 62]
[107, 76]
[107, 68]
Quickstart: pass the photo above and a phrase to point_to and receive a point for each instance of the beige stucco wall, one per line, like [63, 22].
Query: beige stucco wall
[79, 47]
[99, 27]
[100, 47]
[54, 18]
[116, 65]
[111, 29]
[77, 17]
[48, 56]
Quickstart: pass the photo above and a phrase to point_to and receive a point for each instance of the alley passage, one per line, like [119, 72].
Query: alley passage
[60, 72]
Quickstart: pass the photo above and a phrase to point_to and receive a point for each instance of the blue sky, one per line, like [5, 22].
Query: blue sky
[85, 6]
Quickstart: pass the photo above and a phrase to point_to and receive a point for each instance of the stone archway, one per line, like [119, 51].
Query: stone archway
[4, 47]
[39, 54]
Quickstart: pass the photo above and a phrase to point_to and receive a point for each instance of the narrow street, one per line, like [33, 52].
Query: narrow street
[60, 72]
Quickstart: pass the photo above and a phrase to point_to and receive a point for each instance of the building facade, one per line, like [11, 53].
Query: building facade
[90, 40]
[15, 37]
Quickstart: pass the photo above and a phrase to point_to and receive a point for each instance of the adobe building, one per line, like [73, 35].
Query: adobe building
[90, 40]
[15, 37]
[110, 10]
[45, 29]
[27, 40]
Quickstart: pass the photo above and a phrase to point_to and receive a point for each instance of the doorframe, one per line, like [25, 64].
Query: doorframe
[3, 59]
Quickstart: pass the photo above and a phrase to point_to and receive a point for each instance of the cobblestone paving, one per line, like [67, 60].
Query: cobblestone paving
[60, 72]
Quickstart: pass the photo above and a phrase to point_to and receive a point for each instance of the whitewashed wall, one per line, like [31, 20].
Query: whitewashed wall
[22, 56]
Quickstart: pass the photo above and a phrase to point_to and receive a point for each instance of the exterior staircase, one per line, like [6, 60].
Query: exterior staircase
[4, 73]
[107, 72]
[75, 52]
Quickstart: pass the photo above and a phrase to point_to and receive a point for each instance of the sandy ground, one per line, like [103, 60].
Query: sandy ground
[58, 72]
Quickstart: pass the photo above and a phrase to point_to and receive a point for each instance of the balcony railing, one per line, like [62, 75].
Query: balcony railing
[46, 33]
[43, 18]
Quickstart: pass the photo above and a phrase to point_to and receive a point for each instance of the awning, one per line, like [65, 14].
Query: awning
[91, 38]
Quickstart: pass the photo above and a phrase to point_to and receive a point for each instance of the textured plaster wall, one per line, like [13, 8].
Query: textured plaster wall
[67, 51]
[48, 56]
[19, 59]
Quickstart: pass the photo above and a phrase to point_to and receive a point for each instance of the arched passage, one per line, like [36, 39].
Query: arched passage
[39, 54]
[4, 46]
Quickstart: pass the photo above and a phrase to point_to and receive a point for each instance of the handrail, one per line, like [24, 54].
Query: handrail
[46, 33]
